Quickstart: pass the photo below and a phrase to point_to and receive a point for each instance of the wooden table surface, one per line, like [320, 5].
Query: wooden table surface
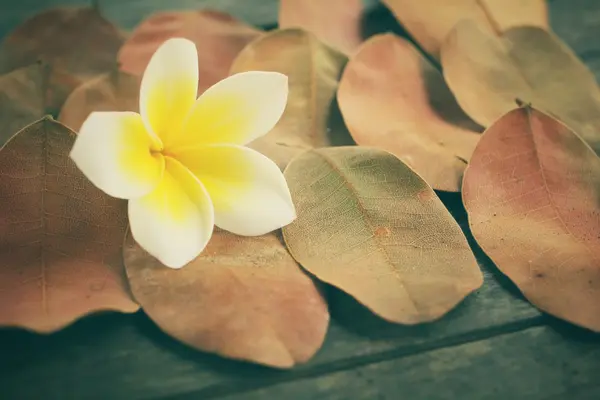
[493, 346]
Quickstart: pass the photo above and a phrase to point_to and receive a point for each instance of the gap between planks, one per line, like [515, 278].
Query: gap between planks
[233, 388]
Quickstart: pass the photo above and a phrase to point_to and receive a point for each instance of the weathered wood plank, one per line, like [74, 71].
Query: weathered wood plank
[537, 363]
[127, 14]
[141, 362]
[577, 22]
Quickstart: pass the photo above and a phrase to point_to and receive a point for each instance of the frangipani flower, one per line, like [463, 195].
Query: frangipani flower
[182, 163]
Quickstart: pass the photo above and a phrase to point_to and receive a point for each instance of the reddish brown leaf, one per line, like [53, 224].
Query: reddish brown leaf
[77, 42]
[372, 227]
[311, 118]
[429, 21]
[532, 192]
[218, 36]
[391, 97]
[21, 98]
[243, 297]
[335, 22]
[113, 91]
[60, 236]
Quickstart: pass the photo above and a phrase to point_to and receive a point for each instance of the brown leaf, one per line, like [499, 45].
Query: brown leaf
[77, 42]
[392, 98]
[429, 21]
[113, 91]
[311, 118]
[243, 298]
[335, 22]
[372, 227]
[60, 236]
[487, 74]
[218, 36]
[532, 193]
[21, 98]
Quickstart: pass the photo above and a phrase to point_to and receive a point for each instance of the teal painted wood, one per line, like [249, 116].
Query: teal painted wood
[537, 363]
[128, 13]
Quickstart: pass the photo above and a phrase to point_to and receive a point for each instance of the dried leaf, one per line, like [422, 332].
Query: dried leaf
[487, 74]
[243, 298]
[430, 21]
[311, 118]
[113, 91]
[372, 227]
[60, 236]
[392, 98]
[532, 194]
[335, 22]
[77, 42]
[218, 36]
[21, 98]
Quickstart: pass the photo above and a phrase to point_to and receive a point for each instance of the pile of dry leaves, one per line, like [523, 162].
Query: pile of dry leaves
[372, 127]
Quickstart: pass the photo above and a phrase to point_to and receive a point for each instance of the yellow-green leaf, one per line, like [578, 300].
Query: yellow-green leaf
[372, 227]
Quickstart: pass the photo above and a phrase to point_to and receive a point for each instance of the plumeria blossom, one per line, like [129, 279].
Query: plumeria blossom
[181, 162]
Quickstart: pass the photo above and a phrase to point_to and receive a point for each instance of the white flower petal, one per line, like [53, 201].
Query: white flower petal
[169, 87]
[236, 110]
[113, 150]
[249, 193]
[175, 221]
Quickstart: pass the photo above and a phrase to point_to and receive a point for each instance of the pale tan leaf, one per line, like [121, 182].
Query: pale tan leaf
[487, 74]
[430, 21]
[113, 91]
[311, 118]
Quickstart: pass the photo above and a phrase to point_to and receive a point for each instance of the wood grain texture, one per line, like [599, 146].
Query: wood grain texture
[536, 363]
